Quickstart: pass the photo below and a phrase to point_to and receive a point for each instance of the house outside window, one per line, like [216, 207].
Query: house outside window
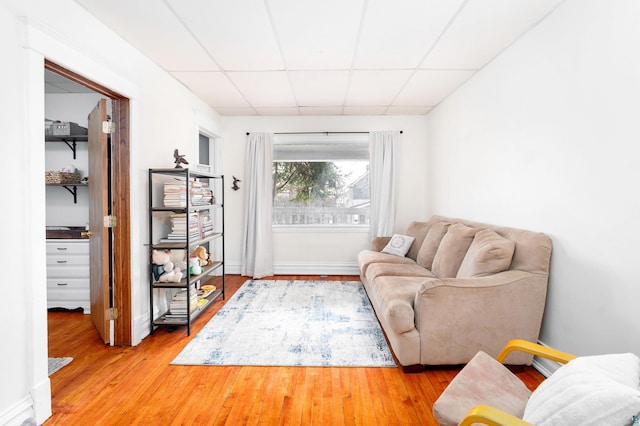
[321, 180]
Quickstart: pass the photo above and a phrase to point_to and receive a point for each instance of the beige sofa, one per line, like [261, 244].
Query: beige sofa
[463, 287]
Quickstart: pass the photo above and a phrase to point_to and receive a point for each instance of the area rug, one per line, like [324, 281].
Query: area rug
[56, 364]
[292, 323]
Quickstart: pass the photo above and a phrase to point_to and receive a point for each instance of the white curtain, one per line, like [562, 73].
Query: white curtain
[383, 148]
[257, 247]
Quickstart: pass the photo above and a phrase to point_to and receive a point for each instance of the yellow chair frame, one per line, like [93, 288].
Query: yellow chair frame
[496, 417]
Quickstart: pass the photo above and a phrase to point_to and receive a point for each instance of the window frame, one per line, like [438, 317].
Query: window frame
[327, 138]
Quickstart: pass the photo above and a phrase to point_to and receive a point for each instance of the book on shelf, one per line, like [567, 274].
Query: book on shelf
[178, 305]
[175, 194]
[196, 225]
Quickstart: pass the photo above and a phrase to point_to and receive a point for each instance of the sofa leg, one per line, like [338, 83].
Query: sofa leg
[412, 369]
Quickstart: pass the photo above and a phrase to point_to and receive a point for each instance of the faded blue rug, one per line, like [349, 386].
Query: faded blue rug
[292, 323]
[56, 364]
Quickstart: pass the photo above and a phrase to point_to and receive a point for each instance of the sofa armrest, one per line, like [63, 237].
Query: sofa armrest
[457, 317]
[379, 243]
[491, 416]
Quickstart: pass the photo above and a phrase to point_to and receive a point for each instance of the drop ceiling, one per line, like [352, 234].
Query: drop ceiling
[321, 57]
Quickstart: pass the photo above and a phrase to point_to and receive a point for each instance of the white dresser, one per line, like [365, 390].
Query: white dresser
[68, 274]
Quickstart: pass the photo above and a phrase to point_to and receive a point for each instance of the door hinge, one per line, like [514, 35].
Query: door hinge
[110, 221]
[108, 126]
[112, 313]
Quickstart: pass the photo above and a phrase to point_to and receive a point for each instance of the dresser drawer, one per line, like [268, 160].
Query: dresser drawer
[64, 260]
[67, 270]
[68, 284]
[80, 296]
[68, 247]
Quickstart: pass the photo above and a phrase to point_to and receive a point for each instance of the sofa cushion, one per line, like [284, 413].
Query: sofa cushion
[398, 245]
[590, 390]
[452, 249]
[417, 230]
[368, 257]
[394, 298]
[488, 254]
[430, 244]
[396, 270]
[483, 381]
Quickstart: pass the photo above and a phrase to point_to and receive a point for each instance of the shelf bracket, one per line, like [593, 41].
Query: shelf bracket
[73, 191]
[72, 146]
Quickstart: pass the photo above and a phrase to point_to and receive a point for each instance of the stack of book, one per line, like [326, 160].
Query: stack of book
[180, 227]
[200, 193]
[205, 224]
[175, 195]
[178, 306]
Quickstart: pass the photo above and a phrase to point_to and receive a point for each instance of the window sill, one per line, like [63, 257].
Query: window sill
[323, 229]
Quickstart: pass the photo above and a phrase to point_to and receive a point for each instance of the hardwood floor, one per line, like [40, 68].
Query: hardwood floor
[137, 385]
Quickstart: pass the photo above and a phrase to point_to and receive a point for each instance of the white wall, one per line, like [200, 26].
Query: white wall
[322, 252]
[546, 138]
[163, 117]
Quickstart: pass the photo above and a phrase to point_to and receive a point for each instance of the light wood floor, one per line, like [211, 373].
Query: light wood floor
[137, 386]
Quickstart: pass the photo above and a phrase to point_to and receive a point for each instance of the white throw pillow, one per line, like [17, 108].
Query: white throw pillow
[398, 245]
[592, 390]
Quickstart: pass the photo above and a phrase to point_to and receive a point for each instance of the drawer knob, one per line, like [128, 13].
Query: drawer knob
[61, 261]
[61, 248]
[62, 284]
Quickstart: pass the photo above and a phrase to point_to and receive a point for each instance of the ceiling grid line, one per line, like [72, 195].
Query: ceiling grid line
[304, 57]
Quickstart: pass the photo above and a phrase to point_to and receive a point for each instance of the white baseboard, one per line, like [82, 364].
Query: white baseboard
[304, 268]
[19, 412]
[545, 366]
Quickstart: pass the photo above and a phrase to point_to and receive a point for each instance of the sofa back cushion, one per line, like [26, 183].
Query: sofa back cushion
[417, 230]
[430, 244]
[452, 249]
[488, 254]
[533, 249]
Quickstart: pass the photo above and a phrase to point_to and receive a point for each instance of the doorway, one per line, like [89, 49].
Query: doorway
[119, 310]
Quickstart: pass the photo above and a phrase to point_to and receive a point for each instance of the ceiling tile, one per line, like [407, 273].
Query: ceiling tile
[408, 110]
[264, 89]
[317, 34]
[321, 110]
[238, 34]
[236, 111]
[429, 87]
[398, 34]
[364, 110]
[319, 88]
[483, 29]
[375, 88]
[214, 87]
[154, 31]
[277, 111]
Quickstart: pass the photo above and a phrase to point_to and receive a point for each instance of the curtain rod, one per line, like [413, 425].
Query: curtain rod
[314, 133]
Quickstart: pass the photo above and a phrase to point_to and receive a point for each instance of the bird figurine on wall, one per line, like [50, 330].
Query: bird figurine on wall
[179, 159]
[235, 186]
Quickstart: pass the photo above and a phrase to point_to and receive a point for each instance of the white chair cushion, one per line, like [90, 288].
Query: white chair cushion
[592, 390]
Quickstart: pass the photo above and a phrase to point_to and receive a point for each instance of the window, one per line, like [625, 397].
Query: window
[321, 179]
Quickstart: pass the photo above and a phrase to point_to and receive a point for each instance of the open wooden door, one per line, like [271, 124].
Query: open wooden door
[98, 213]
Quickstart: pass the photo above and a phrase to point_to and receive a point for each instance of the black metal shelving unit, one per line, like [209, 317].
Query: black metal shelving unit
[157, 210]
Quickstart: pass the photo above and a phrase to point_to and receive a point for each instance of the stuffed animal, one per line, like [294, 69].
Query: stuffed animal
[201, 253]
[194, 266]
[164, 269]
